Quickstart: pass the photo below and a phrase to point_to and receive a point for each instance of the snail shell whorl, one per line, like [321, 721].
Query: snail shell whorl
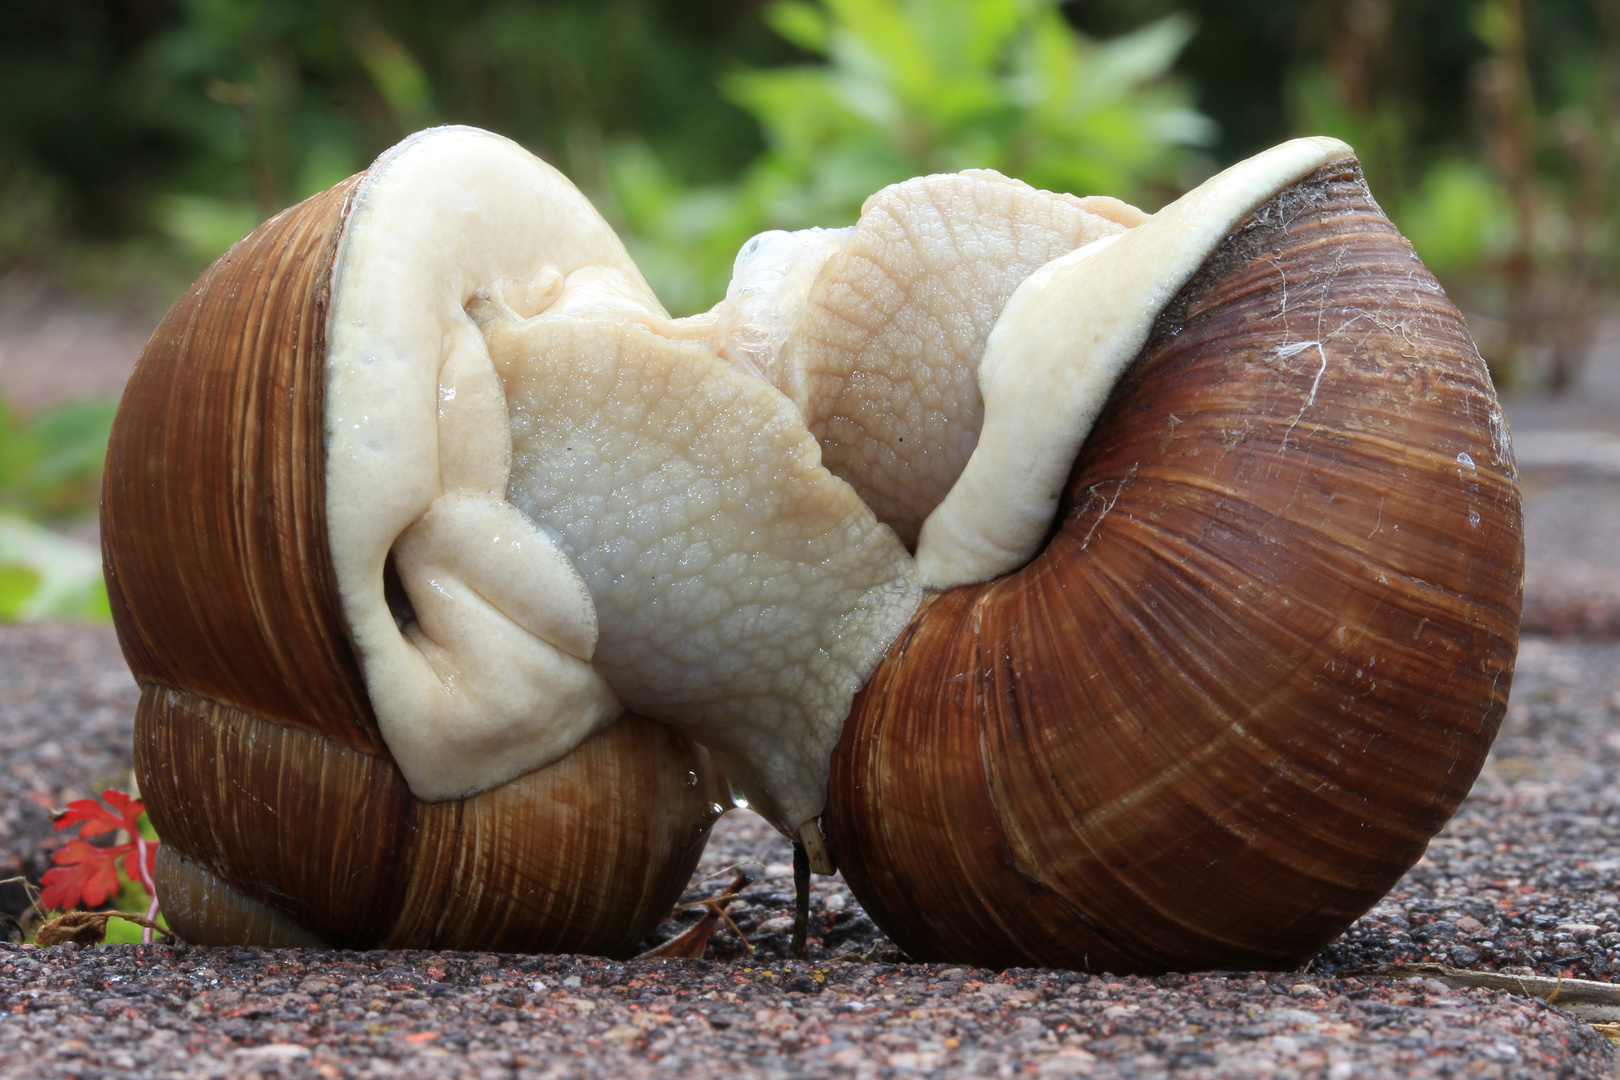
[1261, 661]
[283, 817]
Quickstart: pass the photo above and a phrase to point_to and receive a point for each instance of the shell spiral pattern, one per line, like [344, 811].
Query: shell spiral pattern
[1258, 665]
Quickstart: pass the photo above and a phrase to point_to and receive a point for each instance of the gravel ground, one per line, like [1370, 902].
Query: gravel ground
[1522, 879]
[67, 706]
[217, 1012]
[1572, 570]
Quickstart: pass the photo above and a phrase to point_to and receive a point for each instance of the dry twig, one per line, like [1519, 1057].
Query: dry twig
[89, 927]
[692, 942]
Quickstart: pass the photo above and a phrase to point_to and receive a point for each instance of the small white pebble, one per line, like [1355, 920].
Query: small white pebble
[572, 982]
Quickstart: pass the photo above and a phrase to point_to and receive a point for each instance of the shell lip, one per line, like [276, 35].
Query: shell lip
[1061, 344]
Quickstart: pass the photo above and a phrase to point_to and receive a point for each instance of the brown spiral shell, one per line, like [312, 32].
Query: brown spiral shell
[283, 819]
[1261, 660]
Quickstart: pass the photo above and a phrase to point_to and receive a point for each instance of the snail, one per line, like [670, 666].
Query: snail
[284, 816]
[1094, 589]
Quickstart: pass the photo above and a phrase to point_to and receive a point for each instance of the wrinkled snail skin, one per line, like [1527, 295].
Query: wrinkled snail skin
[284, 818]
[1257, 666]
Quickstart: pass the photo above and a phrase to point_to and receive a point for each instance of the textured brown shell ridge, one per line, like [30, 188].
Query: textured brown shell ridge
[316, 831]
[213, 508]
[329, 839]
[1261, 660]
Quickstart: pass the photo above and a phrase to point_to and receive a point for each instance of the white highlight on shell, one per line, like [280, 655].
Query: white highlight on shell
[1062, 342]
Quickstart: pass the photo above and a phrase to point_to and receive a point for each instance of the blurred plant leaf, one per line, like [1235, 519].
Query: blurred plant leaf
[18, 584]
[1460, 218]
[50, 465]
[399, 78]
[66, 575]
[50, 468]
[911, 87]
[204, 227]
[802, 23]
[72, 440]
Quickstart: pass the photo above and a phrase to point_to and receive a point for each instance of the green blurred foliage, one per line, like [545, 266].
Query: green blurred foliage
[47, 575]
[1459, 218]
[50, 470]
[1516, 209]
[1489, 130]
[910, 87]
[153, 135]
[18, 584]
[50, 464]
[138, 139]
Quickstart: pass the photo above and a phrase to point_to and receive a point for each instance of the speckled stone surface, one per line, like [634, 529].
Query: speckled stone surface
[1526, 877]
[1572, 553]
[231, 1012]
[1523, 879]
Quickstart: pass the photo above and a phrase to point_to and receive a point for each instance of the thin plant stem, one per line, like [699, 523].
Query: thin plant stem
[149, 885]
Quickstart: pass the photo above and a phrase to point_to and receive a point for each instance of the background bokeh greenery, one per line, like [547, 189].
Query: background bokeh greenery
[139, 138]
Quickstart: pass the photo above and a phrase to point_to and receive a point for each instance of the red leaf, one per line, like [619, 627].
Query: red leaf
[92, 818]
[85, 875]
[129, 809]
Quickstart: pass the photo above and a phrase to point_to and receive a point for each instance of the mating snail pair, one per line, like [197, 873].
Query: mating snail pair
[459, 578]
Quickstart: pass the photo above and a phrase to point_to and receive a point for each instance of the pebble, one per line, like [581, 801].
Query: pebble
[195, 1012]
